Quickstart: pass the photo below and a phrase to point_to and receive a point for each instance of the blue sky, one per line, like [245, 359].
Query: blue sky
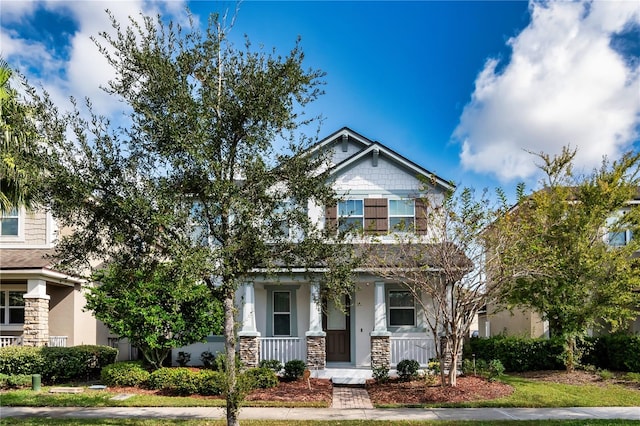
[463, 88]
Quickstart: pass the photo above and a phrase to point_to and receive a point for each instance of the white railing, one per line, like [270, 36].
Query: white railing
[10, 341]
[419, 348]
[283, 348]
[58, 341]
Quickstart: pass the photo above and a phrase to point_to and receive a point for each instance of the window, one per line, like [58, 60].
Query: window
[402, 309]
[11, 307]
[401, 215]
[9, 224]
[281, 313]
[619, 239]
[350, 215]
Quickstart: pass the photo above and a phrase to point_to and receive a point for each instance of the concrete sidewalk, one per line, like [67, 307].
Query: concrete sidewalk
[575, 413]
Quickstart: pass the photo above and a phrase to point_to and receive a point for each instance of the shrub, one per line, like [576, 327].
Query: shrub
[617, 352]
[519, 353]
[261, 378]
[495, 370]
[207, 359]
[272, 364]
[57, 364]
[294, 369]
[15, 381]
[408, 369]
[183, 358]
[381, 373]
[211, 382]
[179, 380]
[128, 373]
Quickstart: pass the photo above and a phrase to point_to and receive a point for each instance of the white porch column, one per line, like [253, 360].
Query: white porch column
[315, 311]
[249, 311]
[380, 311]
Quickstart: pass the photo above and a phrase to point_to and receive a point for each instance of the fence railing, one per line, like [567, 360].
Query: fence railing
[10, 341]
[58, 341]
[419, 348]
[283, 348]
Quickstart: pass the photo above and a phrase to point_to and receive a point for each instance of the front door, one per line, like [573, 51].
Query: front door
[336, 324]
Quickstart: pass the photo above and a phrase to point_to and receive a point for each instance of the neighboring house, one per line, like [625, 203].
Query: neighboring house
[494, 321]
[284, 319]
[39, 305]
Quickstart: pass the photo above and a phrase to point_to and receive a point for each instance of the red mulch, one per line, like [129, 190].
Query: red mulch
[469, 388]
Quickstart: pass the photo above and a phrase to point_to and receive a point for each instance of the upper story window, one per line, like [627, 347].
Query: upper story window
[401, 215]
[351, 215]
[620, 238]
[9, 224]
[402, 308]
[11, 307]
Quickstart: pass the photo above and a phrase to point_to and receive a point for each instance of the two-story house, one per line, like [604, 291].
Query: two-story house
[39, 305]
[381, 192]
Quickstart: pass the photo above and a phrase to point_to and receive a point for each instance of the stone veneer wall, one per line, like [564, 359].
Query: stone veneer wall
[36, 321]
[316, 353]
[380, 351]
[250, 351]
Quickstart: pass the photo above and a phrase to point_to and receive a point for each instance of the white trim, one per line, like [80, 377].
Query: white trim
[48, 274]
[21, 212]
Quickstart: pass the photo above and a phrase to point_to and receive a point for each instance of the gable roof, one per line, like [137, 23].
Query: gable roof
[369, 147]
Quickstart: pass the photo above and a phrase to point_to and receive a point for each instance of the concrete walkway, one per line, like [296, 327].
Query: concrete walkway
[581, 413]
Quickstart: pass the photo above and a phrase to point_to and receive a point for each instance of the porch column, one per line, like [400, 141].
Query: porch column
[380, 337]
[36, 314]
[249, 337]
[316, 345]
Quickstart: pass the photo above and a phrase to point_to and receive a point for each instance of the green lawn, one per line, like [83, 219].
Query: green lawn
[68, 422]
[528, 393]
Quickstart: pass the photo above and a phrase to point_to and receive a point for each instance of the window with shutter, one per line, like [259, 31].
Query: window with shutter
[376, 215]
[421, 216]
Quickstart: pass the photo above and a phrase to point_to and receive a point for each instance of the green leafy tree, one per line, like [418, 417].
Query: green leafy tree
[22, 155]
[157, 309]
[560, 256]
[210, 167]
[446, 267]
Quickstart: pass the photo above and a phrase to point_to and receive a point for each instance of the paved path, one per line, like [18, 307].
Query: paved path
[581, 413]
[348, 397]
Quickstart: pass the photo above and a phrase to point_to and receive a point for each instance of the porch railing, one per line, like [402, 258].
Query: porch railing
[58, 341]
[10, 341]
[283, 348]
[419, 348]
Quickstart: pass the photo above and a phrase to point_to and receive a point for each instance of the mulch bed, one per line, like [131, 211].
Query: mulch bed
[469, 388]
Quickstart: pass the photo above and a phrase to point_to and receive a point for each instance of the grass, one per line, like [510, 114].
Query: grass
[528, 393]
[154, 422]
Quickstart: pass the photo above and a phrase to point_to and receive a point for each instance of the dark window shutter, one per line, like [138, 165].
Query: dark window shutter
[376, 217]
[331, 218]
[421, 216]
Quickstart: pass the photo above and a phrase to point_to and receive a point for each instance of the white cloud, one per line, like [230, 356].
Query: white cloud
[564, 85]
[77, 69]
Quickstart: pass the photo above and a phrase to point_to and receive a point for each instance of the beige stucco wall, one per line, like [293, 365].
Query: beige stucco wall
[519, 322]
[61, 309]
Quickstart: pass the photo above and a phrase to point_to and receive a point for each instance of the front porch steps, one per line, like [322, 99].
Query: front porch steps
[344, 376]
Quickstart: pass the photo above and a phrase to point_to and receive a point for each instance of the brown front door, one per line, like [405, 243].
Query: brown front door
[336, 324]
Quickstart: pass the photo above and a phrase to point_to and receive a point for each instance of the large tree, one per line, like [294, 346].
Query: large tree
[446, 267]
[211, 166]
[22, 154]
[563, 246]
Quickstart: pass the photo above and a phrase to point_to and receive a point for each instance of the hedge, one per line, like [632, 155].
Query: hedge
[55, 364]
[617, 352]
[128, 373]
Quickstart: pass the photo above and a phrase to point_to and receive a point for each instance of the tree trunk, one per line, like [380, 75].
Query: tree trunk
[233, 393]
[570, 353]
[453, 369]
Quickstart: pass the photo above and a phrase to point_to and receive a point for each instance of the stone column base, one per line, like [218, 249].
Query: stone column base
[36, 321]
[380, 351]
[316, 353]
[250, 351]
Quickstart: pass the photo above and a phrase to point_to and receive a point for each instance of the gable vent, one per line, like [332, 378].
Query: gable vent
[345, 142]
[374, 160]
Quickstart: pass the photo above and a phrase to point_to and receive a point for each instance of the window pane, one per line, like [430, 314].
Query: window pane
[2, 320]
[617, 238]
[281, 301]
[281, 325]
[16, 299]
[401, 207]
[401, 317]
[400, 299]
[2, 293]
[16, 315]
[350, 223]
[350, 208]
[9, 226]
[401, 223]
